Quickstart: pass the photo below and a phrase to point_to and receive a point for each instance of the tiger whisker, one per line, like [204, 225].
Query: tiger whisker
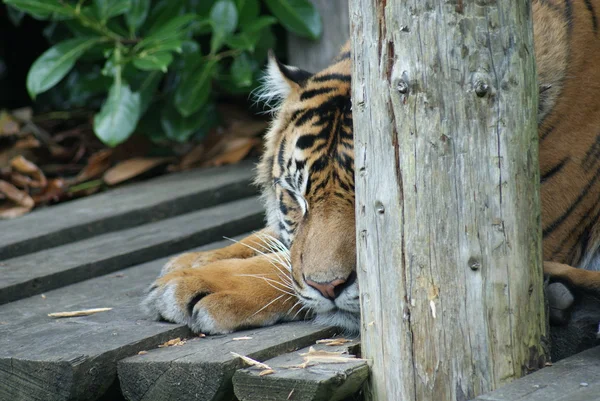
[267, 305]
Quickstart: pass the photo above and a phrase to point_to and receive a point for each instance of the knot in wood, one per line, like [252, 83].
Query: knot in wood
[481, 88]
[379, 207]
[402, 87]
[474, 264]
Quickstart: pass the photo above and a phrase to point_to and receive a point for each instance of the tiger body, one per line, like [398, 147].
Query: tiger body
[307, 178]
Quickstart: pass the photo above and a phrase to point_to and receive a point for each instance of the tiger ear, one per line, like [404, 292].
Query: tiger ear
[279, 80]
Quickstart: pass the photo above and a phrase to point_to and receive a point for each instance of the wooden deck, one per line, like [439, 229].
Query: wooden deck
[105, 250]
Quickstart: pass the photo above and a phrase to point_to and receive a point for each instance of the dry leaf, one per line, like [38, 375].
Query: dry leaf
[36, 177]
[191, 158]
[23, 203]
[252, 362]
[97, 165]
[8, 125]
[128, 169]
[23, 114]
[266, 372]
[142, 352]
[175, 342]
[53, 192]
[241, 338]
[84, 312]
[333, 341]
[233, 151]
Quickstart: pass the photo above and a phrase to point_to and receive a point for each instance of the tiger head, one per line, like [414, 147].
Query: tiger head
[307, 177]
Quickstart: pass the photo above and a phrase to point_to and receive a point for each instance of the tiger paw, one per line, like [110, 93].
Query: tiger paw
[222, 297]
[191, 260]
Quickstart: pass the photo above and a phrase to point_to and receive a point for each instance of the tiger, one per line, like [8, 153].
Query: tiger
[303, 263]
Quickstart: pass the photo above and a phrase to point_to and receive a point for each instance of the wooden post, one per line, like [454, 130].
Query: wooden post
[316, 55]
[447, 196]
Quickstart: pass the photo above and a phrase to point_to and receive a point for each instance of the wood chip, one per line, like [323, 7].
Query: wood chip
[252, 362]
[315, 357]
[332, 342]
[175, 342]
[43, 296]
[84, 312]
[266, 372]
[241, 338]
[142, 352]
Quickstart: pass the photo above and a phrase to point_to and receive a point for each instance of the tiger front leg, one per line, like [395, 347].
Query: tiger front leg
[248, 247]
[226, 295]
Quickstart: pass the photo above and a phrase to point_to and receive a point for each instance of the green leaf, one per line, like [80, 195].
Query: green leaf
[242, 41]
[161, 12]
[194, 88]
[298, 16]
[106, 9]
[55, 63]
[168, 37]
[137, 14]
[15, 15]
[147, 90]
[41, 8]
[224, 19]
[248, 10]
[242, 69]
[180, 129]
[259, 24]
[153, 61]
[118, 117]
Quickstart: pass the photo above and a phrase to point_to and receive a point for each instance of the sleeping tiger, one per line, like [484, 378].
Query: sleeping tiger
[303, 262]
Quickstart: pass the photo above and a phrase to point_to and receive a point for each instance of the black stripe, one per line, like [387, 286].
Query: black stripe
[554, 170]
[569, 14]
[315, 92]
[548, 230]
[306, 141]
[590, 7]
[592, 154]
[280, 154]
[548, 131]
[332, 77]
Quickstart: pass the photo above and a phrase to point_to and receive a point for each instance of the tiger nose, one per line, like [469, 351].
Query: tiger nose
[332, 289]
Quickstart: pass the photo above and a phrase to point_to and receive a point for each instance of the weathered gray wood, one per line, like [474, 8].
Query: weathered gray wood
[576, 378]
[202, 368]
[315, 55]
[45, 359]
[124, 207]
[319, 382]
[56, 267]
[449, 251]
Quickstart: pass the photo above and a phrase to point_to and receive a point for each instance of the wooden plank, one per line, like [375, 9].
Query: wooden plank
[314, 55]
[45, 359]
[124, 207]
[576, 378]
[316, 382]
[202, 368]
[56, 267]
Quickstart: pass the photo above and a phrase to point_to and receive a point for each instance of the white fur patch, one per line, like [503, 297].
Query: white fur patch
[274, 87]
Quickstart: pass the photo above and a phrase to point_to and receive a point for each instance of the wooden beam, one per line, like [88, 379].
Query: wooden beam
[444, 99]
[46, 270]
[125, 207]
[318, 381]
[202, 368]
[313, 55]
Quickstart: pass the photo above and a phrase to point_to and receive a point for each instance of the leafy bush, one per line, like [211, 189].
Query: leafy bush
[155, 65]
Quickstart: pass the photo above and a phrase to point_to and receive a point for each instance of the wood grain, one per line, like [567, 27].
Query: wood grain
[447, 196]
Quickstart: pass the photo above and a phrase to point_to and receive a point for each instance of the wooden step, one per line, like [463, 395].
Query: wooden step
[124, 207]
[46, 359]
[202, 368]
[52, 268]
[295, 378]
[576, 378]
